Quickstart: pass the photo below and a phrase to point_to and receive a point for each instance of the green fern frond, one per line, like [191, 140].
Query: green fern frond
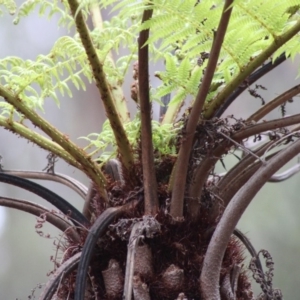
[125, 7]
[103, 143]
[179, 32]
[187, 30]
[8, 110]
[67, 63]
[291, 48]
[48, 8]
[116, 33]
[181, 77]
[190, 31]
[53, 72]
[9, 5]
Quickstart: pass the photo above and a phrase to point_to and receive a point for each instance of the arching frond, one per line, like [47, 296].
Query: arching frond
[181, 32]
[51, 73]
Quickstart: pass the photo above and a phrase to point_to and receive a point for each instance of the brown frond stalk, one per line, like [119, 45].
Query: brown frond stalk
[209, 280]
[207, 164]
[181, 167]
[250, 80]
[149, 178]
[63, 271]
[230, 190]
[265, 126]
[98, 228]
[287, 95]
[70, 182]
[38, 210]
[240, 167]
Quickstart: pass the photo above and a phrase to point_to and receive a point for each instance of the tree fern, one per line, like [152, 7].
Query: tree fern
[158, 175]
[179, 41]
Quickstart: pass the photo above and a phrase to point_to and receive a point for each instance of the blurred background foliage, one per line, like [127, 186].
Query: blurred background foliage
[271, 222]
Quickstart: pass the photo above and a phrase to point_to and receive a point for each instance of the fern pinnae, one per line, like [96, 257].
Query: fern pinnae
[291, 48]
[48, 71]
[247, 70]
[10, 5]
[53, 7]
[248, 44]
[181, 78]
[126, 7]
[263, 22]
